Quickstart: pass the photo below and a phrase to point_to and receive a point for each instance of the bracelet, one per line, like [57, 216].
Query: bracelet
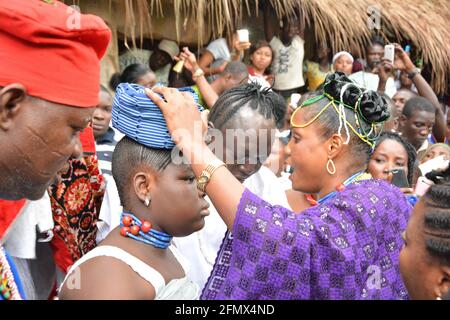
[197, 74]
[413, 73]
[205, 176]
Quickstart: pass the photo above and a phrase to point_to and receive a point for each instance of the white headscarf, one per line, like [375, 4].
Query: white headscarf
[341, 53]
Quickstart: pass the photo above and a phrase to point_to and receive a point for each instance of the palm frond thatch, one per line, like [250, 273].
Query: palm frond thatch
[424, 24]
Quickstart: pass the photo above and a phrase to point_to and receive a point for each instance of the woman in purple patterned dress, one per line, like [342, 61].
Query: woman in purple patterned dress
[344, 247]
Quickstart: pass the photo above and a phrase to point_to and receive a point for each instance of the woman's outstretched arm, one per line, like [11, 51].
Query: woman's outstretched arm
[187, 129]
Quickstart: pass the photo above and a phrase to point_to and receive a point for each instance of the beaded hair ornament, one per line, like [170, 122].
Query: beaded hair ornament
[369, 108]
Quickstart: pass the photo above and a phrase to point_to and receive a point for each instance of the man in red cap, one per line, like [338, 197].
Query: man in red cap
[49, 80]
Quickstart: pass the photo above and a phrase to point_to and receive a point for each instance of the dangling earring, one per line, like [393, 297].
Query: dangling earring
[438, 298]
[333, 170]
[147, 201]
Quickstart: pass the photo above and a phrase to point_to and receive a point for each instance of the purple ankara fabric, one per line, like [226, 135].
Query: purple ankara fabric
[344, 248]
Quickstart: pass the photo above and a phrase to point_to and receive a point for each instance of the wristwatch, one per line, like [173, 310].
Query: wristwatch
[413, 73]
[207, 173]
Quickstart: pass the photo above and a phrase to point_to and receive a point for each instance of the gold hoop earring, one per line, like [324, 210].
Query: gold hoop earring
[333, 170]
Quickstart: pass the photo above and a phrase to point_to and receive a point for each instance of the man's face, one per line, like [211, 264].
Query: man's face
[374, 55]
[289, 31]
[417, 127]
[38, 140]
[159, 59]
[102, 115]
[401, 97]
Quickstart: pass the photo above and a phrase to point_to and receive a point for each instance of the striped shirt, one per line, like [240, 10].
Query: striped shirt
[105, 147]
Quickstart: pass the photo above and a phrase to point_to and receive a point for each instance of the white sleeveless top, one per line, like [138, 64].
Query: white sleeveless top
[176, 289]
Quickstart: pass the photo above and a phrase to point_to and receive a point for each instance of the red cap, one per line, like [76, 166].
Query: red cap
[53, 50]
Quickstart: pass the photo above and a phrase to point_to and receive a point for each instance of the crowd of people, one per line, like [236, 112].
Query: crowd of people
[242, 171]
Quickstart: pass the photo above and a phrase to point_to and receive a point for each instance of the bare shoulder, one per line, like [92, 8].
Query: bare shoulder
[105, 278]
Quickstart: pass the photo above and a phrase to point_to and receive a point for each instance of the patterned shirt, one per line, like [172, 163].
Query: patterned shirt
[344, 248]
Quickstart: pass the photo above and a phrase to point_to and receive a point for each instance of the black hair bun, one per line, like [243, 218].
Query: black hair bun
[372, 107]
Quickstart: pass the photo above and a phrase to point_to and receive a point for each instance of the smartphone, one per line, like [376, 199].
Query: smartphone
[389, 52]
[243, 35]
[295, 98]
[399, 178]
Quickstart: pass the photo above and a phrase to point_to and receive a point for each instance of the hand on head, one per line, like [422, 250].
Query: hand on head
[181, 114]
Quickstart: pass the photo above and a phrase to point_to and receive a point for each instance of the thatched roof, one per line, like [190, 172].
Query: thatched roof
[423, 23]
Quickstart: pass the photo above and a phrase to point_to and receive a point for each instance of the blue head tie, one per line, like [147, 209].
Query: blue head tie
[137, 117]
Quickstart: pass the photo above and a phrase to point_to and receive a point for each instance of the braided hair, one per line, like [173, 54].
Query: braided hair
[437, 216]
[342, 105]
[128, 155]
[268, 103]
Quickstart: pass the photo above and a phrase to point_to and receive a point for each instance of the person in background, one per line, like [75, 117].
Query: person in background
[261, 56]
[316, 72]
[235, 74]
[219, 53]
[160, 60]
[392, 152]
[436, 150]
[403, 63]
[416, 122]
[376, 75]
[425, 255]
[401, 97]
[134, 73]
[391, 124]
[343, 62]
[404, 82]
[105, 136]
[288, 52]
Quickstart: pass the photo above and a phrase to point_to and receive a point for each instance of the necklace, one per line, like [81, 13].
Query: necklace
[339, 188]
[142, 231]
[8, 288]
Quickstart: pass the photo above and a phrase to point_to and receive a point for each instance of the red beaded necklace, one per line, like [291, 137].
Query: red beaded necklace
[339, 188]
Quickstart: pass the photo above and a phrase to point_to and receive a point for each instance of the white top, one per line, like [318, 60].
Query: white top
[20, 240]
[219, 50]
[176, 289]
[110, 210]
[370, 81]
[200, 248]
[287, 63]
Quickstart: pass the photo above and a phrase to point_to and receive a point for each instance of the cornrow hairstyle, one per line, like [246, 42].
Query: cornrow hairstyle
[129, 154]
[409, 148]
[437, 216]
[342, 105]
[268, 103]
